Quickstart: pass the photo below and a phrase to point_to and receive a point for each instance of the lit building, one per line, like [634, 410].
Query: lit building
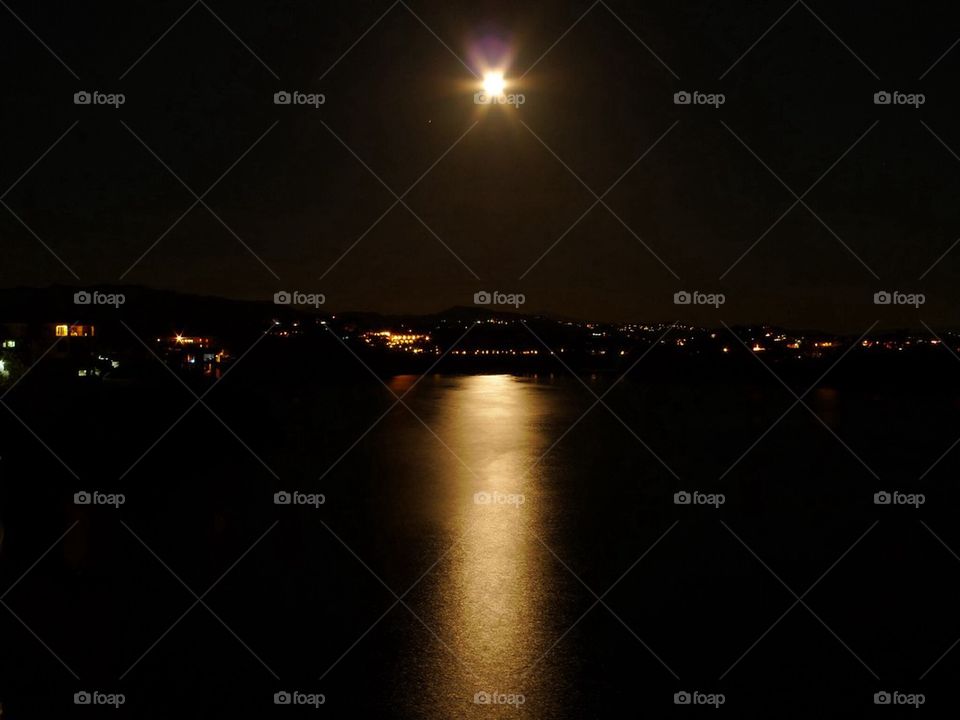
[64, 330]
[404, 341]
[192, 351]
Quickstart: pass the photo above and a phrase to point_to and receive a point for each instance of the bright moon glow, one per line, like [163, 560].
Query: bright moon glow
[493, 84]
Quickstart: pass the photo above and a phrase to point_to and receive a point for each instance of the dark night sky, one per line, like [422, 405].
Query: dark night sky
[399, 99]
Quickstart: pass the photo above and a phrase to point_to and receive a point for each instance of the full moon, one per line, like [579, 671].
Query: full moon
[494, 84]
